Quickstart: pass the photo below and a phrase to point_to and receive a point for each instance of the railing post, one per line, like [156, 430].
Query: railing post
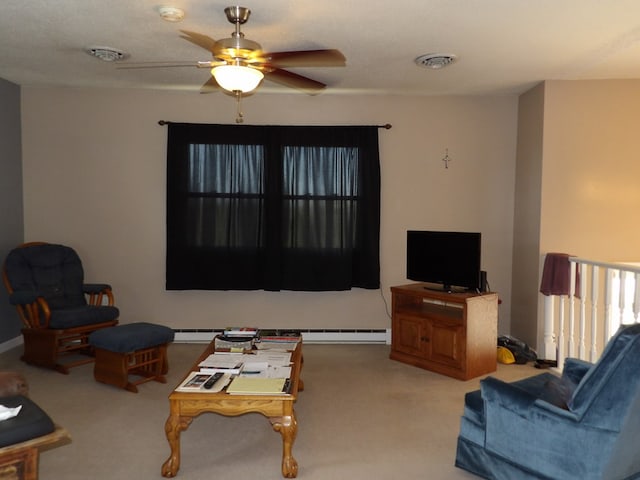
[582, 347]
[572, 293]
[550, 352]
[622, 294]
[636, 298]
[562, 344]
[607, 314]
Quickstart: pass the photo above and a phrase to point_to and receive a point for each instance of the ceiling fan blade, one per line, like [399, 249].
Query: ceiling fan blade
[198, 64]
[134, 66]
[210, 86]
[290, 79]
[306, 58]
[199, 39]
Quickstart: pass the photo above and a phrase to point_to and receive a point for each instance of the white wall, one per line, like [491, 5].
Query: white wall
[94, 178]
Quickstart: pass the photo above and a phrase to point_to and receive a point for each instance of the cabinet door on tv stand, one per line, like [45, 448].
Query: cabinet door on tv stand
[409, 335]
[446, 345]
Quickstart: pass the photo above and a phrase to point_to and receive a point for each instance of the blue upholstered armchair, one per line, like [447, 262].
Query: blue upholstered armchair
[58, 310]
[583, 425]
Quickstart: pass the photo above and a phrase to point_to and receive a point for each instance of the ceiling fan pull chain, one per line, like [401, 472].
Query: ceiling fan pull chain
[239, 118]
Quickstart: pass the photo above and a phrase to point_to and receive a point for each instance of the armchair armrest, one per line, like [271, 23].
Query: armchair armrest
[519, 401]
[97, 291]
[506, 395]
[95, 287]
[32, 307]
[574, 369]
[23, 298]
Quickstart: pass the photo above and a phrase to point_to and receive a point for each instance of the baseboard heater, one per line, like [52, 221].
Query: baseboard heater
[191, 335]
[9, 344]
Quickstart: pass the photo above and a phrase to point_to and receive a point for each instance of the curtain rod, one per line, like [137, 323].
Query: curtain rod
[386, 126]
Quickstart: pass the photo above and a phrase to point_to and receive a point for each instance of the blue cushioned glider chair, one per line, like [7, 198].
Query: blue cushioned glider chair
[583, 425]
[58, 310]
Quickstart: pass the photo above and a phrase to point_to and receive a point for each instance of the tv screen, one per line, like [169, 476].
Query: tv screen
[449, 259]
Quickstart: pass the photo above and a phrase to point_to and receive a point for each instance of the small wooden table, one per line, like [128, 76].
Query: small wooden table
[185, 406]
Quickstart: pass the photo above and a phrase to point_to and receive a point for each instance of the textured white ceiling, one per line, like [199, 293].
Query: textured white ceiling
[503, 46]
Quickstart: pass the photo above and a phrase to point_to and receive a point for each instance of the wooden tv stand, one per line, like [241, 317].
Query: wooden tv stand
[454, 334]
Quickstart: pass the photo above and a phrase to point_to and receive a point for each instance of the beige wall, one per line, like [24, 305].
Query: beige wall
[581, 143]
[94, 178]
[526, 245]
[590, 189]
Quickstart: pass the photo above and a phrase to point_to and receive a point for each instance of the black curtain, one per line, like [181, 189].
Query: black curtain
[272, 207]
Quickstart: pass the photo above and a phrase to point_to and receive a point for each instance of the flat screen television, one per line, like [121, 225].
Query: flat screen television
[450, 260]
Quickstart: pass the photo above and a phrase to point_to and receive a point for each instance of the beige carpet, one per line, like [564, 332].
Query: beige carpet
[361, 416]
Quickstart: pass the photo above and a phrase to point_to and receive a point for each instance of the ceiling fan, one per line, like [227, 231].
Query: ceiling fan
[238, 65]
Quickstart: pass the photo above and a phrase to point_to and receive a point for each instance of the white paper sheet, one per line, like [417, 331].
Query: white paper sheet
[7, 413]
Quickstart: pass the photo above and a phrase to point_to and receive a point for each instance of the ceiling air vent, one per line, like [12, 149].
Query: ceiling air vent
[435, 61]
[171, 14]
[106, 54]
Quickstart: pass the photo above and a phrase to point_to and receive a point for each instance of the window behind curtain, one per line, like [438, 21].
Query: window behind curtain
[320, 197]
[225, 194]
[294, 208]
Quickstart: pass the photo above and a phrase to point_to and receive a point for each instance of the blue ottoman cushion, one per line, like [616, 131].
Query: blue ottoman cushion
[131, 337]
[31, 421]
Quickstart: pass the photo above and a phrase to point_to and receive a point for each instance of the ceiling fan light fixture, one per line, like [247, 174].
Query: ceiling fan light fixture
[435, 61]
[237, 78]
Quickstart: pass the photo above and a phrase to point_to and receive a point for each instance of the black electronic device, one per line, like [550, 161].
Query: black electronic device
[450, 260]
[484, 285]
[214, 378]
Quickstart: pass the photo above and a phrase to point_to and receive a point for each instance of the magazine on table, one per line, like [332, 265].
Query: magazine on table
[195, 382]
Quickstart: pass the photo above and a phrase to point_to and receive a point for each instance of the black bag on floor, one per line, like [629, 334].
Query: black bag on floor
[522, 352]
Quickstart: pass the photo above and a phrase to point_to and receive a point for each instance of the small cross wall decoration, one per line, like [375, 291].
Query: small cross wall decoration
[446, 159]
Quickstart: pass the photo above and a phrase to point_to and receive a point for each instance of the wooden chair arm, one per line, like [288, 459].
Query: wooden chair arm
[97, 291]
[35, 314]
[22, 298]
[33, 310]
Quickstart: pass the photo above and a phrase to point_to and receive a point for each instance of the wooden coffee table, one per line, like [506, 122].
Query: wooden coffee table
[185, 406]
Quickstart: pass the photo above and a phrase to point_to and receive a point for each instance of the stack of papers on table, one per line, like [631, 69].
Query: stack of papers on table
[279, 363]
[255, 369]
[264, 370]
[285, 336]
[258, 386]
[243, 332]
[274, 358]
[262, 364]
[219, 362]
[276, 344]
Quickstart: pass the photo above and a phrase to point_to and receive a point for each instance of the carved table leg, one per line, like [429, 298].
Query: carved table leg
[174, 425]
[288, 428]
